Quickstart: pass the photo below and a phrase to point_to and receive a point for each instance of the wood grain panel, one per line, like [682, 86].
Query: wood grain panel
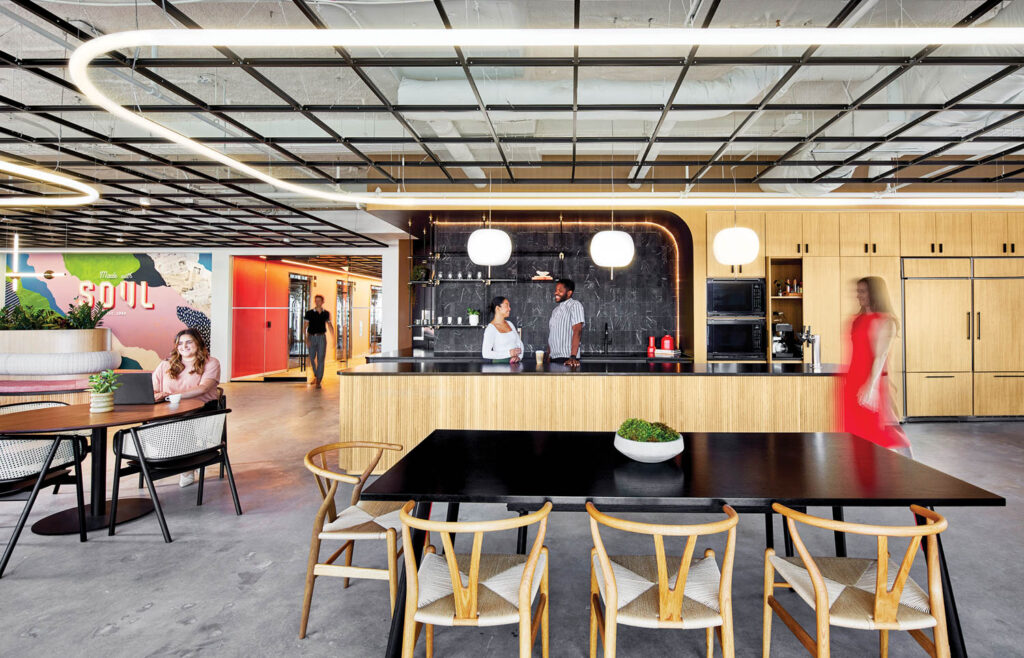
[917, 234]
[821, 233]
[938, 317]
[939, 394]
[989, 236]
[784, 234]
[998, 267]
[854, 234]
[51, 341]
[405, 409]
[73, 397]
[953, 233]
[822, 290]
[999, 394]
[937, 267]
[999, 324]
[885, 234]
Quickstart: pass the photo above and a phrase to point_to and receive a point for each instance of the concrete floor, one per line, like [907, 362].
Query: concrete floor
[232, 585]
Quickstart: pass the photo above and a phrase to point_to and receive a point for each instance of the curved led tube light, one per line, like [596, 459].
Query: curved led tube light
[503, 38]
[88, 194]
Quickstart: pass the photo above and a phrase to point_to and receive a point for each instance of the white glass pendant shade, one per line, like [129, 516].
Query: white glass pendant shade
[736, 246]
[612, 249]
[489, 246]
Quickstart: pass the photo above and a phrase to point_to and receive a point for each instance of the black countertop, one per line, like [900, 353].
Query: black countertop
[588, 367]
[417, 355]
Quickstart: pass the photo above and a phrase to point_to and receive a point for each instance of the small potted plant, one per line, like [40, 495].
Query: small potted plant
[101, 391]
[474, 316]
[648, 442]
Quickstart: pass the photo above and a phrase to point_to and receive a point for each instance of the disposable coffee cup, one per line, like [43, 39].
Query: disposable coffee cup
[174, 399]
[539, 354]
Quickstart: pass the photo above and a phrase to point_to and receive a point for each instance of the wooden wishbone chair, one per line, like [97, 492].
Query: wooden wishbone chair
[362, 520]
[479, 589]
[870, 594]
[636, 589]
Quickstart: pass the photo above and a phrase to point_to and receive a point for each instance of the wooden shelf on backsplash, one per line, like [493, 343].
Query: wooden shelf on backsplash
[448, 326]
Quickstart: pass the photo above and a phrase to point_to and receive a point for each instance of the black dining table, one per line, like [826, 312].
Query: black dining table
[750, 471]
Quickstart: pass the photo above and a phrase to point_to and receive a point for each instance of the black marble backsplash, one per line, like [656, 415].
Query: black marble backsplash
[639, 302]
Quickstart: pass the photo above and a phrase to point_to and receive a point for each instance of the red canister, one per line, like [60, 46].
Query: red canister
[650, 347]
[667, 343]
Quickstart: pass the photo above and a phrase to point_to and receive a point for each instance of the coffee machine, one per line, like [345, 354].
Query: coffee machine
[785, 342]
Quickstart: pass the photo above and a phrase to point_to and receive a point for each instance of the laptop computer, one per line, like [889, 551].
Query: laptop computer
[136, 388]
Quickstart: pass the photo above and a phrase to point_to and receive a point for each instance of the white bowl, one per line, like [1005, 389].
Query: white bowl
[540, 273]
[649, 452]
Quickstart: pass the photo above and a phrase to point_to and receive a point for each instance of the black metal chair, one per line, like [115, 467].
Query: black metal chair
[30, 462]
[167, 448]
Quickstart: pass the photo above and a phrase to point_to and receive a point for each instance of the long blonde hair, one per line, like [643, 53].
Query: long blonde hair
[878, 298]
[176, 365]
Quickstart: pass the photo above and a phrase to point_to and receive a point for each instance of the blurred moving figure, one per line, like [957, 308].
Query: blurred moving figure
[866, 404]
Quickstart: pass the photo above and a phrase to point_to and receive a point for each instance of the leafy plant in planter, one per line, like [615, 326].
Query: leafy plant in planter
[642, 431]
[27, 318]
[104, 382]
[474, 316]
[84, 316]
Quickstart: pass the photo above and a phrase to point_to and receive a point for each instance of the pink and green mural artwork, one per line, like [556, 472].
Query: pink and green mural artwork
[151, 296]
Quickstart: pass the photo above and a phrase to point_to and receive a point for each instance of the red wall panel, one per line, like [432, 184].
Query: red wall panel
[248, 331]
[277, 339]
[249, 282]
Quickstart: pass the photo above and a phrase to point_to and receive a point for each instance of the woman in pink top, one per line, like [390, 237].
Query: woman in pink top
[189, 370]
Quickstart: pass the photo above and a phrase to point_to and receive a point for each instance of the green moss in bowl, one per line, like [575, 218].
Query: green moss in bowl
[642, 431]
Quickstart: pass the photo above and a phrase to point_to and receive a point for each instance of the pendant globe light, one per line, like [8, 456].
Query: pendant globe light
[489, 246]
[611, 248]
[737, 245]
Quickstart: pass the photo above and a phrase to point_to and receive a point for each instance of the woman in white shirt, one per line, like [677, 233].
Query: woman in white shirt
[501, 340]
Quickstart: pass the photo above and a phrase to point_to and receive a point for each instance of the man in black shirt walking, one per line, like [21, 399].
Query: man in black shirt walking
[316, 327]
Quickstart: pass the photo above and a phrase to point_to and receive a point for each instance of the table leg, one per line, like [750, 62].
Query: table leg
[521, 536]
[452, 516]
[769, 530]
[65, 522]
[394, 649]
[957, 647]
[837, 514]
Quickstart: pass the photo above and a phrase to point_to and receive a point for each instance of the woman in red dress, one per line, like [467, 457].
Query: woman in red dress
[866, 405]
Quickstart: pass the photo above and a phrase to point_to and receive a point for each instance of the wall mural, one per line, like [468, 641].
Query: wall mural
[151, 296]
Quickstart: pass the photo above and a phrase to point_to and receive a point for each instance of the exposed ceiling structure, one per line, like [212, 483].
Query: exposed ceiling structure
[797, 120]
[364, 265]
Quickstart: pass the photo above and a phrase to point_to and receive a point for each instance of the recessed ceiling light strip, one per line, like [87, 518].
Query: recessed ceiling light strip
[88, 193]
[501, 38]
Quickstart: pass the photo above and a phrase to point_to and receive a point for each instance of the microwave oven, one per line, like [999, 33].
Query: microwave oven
[736, 297]
[736, 339]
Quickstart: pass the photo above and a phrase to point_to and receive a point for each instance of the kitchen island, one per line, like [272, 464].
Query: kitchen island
[401, 402]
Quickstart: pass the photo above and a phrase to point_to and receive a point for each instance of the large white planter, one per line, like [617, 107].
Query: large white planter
[55, 353]
[649, 452]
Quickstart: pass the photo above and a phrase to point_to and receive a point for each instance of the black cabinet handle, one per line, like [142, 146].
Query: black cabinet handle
[933, 247]
[1004, 247]
[865, 247]
[968, 325]
[1009, 376]
[732, 269]
[798, 247]
[268, 324]
[978, 332]
[807, 248]
[1013, 247]
[741, 269]
[874, 248]
[938, 376]
[940, 247]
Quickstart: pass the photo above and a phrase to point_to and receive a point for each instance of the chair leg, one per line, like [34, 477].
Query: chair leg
[199, 491]
[112, 512]
[231, 481]
[428, 631]
[769, 590]
[609, 636]
[593, 612]
[409, 634]
[79, 494]
[725, 634]
[525, 634]
[152, 490]
[307, 597]
[56, 489]
[883, 644]
[545, 620]
[392, 539]
[142, 482]
[221, 476]
[348, 560]
[28, 508]
[709, 638]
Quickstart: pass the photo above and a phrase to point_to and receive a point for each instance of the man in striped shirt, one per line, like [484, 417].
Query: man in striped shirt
[565, 328]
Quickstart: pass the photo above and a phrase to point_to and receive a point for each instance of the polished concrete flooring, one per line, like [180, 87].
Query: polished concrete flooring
[232, 586]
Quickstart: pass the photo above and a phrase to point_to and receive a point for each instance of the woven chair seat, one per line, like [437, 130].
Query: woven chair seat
[178, 439]
[636, 581]
[21, 458]
[497, 596]
[850, 583]
[364, 520]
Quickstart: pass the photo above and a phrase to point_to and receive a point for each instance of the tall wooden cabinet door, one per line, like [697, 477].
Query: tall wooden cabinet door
[822, 290]
[938, 325]
[821, 233]
[953, 233]
[917, 234]
[885, 234]
[1015, 232]
[716, 221]
[755, 221]
[998, 325]
[855, 233]
[988, 234]
[784, 236]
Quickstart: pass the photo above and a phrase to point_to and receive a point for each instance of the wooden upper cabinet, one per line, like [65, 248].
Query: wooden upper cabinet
[1015, 232]
[854, 234]
[784, 234]
[885, 234]
[722, 219]
[821, 233]
[953, 233]
[917, 234]
[989, 237]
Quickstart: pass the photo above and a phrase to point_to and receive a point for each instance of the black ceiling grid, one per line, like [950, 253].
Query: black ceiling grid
[913, 61]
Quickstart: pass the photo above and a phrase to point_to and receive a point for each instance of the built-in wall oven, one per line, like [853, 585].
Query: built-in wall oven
[736, 297]
[736, 339]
